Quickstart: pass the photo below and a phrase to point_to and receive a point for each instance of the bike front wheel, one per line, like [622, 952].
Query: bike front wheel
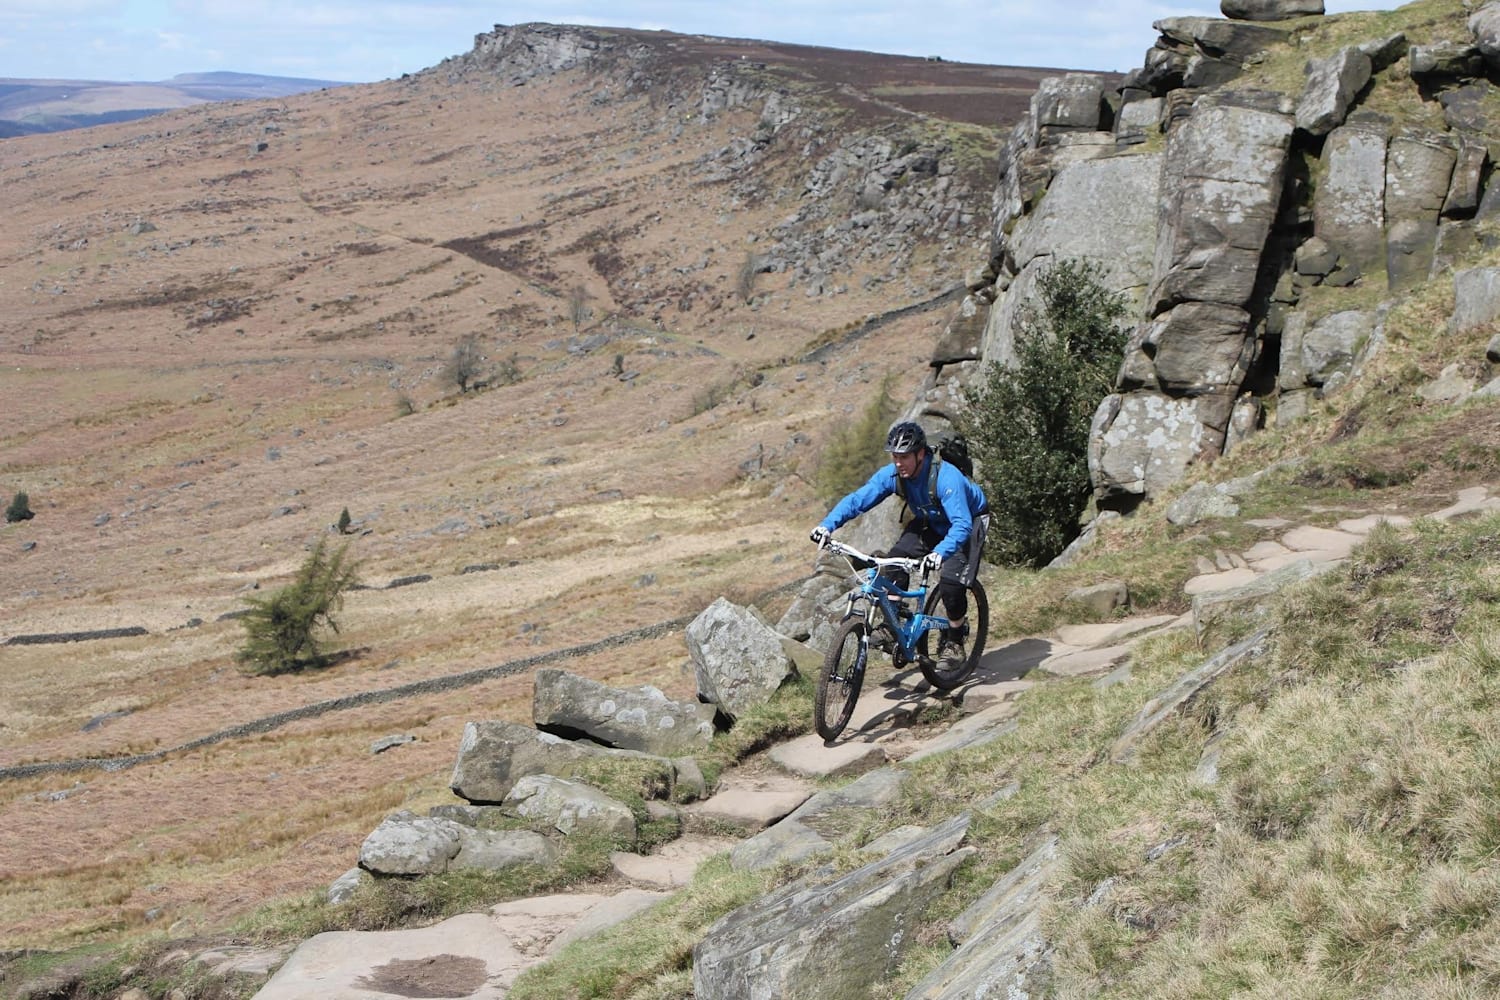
[946, 676]
[840, 679]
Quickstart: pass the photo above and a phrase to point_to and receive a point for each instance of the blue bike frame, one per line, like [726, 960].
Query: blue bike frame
[881, 592]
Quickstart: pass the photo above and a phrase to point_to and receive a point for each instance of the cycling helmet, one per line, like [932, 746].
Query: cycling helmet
[905, 437]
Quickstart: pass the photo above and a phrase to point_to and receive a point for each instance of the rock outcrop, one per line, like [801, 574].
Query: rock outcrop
[870, 197]
[640, 718]
[740, 660]
[1217, 204]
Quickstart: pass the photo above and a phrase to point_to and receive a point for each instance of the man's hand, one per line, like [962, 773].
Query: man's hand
[931, 563]
[820, 536]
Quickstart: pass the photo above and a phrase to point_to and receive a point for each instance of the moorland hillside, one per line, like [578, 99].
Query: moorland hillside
[225, 325]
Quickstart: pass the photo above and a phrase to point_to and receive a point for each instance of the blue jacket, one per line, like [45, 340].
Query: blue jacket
[959, 500]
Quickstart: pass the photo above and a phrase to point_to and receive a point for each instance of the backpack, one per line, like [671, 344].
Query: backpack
[954, 450]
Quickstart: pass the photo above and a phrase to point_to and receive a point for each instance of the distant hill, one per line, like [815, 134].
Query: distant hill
[29, 107]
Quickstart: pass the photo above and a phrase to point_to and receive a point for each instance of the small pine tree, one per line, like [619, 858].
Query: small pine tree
[344, 520]
[1028, 424]
[19, 509]
[280, 628]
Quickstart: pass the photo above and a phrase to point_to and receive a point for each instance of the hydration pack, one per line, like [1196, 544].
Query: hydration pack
[954, 450]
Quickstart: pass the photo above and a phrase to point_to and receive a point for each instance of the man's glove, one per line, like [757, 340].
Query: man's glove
[931, 563]
[820, 536]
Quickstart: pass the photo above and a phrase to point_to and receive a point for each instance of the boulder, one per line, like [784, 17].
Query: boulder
[343, 888]
[494, 850]
[828, 812]
[1070, 223]
[739, 659]
[1183, 691]
[1193, 348]
[812, 605]
[1206, 72]
[1445, 60]
[1138, 119]
[1315, 258]
[1328, 348]
[1163, 70]
[1247, 417]
[810, 941]
[1234, 40]
[1349, 205]
[1269, 10]
[1221, 190]
[1331, 87]
[1476, 297]
[1419, 167]
[1469, 171]
[1201, 502]
[1062, 104]
[407, 844]
[1385, 52]
[1141, 442]
[1101, 599]
[1452, 385]
[964, 334]
[1469, 110]
[785, 843]
[1001, 950]
[493, 756]
[569, 808]
[1484, 25]
[639, 718]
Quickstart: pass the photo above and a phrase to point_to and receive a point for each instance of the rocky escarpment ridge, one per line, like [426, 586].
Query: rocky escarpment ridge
[866, 196]
[1228, 209]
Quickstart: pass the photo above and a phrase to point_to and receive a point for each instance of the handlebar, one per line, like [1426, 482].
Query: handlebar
[863, 560]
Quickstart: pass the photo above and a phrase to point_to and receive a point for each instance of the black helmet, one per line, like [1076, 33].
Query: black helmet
[905, 437]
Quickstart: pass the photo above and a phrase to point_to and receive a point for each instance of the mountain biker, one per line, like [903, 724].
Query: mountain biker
[946, 531]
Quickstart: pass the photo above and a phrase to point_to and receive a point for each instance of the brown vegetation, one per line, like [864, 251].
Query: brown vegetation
[190, 408]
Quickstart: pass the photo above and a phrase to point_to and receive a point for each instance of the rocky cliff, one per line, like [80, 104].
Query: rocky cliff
[1262, 188]
[883, 157]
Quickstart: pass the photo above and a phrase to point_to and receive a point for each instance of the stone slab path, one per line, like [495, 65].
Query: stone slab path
[478, 956]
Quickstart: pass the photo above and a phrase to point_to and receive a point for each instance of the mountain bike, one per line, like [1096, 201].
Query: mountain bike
[879, 613]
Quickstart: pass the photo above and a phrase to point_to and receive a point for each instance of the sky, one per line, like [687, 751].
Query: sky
[361, 41]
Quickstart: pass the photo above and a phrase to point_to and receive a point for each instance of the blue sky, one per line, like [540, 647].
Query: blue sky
[377, 39]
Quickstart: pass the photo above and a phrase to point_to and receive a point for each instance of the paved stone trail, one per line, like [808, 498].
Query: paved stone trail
[484, 953]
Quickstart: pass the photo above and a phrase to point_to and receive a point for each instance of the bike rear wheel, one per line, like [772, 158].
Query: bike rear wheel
[945, 676]
[840, 679]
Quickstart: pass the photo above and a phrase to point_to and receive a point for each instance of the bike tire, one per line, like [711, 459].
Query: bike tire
[840, 679]
[947, 678]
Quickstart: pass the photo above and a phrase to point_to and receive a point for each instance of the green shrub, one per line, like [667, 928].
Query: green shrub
[856, 448]
[344, 521]
[280, 629]
[1028, 424]
[19, 509]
